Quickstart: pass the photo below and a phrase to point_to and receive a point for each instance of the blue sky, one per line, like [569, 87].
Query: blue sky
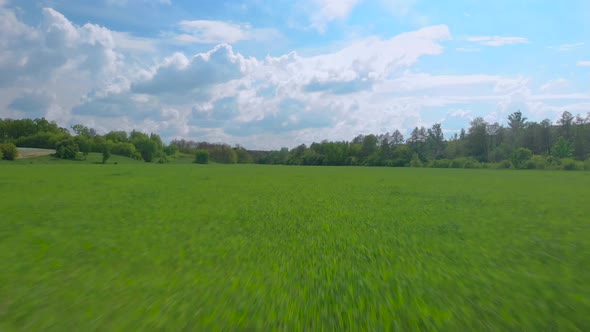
[266, 74]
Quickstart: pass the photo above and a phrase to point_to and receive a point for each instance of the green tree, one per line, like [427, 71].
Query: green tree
[67, 149]
[477, 139]
[521, 157]
[81, 130]
[436, 142]
[171, 150]
[516, 123]
[8, 151]
[562, 148]
[106, 153]
[416, 162]
[202, 157]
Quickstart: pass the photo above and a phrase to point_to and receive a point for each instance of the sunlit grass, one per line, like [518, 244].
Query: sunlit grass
[202, 247]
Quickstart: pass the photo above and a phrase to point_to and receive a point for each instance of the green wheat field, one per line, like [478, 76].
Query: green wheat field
[134, 246]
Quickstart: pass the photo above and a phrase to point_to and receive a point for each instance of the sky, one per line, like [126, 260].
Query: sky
[267, 74]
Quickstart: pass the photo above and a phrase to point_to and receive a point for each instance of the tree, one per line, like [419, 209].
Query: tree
[396, 138]
[436, 143]
[81, 130]
[8, 151]
[106, 153]
[67, 149]
[477, 140]
[83, 145]
[171, 150]
[202, 157]
[520, 157]
[565, 125]
[562, 148]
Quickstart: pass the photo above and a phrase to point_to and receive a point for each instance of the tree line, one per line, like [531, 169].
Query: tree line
[78, 142]
[517, 144]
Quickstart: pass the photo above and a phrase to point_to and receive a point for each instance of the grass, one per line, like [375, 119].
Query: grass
[216, 247]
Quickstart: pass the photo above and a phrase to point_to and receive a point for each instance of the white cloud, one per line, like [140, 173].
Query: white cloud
[399, 7]
[583, 63]
[568, 47]
[215, 32]
[554, 85]
[210, 32]
[179, 74]
[127, 42]
[325, 11]
[498, 40]
[460, 113]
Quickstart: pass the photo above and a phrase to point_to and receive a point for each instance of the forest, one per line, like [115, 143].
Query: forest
[520, 144]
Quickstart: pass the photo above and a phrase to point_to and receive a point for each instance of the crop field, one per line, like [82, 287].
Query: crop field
[136, 246]
[32, 152]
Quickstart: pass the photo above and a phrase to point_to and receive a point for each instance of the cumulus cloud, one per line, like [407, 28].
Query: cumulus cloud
[583, 63]
[32, 104]
[498, 40]
[178, 74]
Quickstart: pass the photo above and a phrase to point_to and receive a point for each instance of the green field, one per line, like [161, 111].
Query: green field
[212, 247]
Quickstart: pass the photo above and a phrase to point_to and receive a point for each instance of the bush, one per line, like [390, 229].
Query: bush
[537, 162]
[9, 151]
[470, 163]
[126, 150]
[441, 163]
[416, 162]
[464, 163]
[504, 164]
[171, 150]
[520, 158]
[568, 164]
[587, 165]
[1, 155]
[67, 149]
[163, 160]
[202, 157]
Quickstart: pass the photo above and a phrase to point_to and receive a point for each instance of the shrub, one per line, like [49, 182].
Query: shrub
[416, 162]
[1, 155]
[125, 149]
[520, 158]
[562, 148]
[464, 163]
[537, 162]
[67, 149]
[441, 163]
[9, 151]
[202, 157]
[569, 164]
[587, 165]
[505, 164]
[106, 153]
[171, 150]
[470, 163]
[163, 159]
[351, 161]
